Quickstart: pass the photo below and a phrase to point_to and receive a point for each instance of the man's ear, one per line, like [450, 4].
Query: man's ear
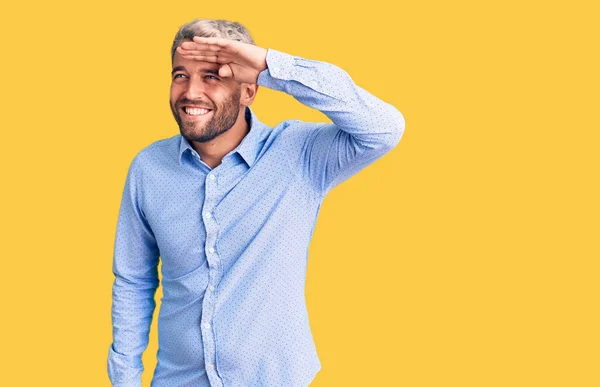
[249, 91]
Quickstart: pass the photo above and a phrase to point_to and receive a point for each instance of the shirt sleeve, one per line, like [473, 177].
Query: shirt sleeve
[135, 265]
[363, 127]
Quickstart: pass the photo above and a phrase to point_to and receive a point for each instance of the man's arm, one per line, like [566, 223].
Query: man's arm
[364, 128]
[136, 279]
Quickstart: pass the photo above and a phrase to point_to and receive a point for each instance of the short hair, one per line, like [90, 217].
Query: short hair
[208, 28]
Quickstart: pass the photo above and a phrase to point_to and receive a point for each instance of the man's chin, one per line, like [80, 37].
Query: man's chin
[191, 129]
[192, 136]
[196, 135]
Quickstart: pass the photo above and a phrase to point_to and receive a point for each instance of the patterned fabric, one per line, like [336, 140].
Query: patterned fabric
[234, 240]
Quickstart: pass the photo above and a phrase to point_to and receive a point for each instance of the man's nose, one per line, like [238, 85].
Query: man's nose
[196, 89]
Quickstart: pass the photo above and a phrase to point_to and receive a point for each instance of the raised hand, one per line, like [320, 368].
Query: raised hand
[241, 61]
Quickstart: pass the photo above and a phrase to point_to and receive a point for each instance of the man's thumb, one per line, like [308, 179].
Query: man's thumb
[225, 71]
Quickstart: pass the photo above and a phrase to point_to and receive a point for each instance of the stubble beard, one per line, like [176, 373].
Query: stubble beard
[223, 119]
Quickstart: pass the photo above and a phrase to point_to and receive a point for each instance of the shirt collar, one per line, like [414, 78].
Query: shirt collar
[249, 146]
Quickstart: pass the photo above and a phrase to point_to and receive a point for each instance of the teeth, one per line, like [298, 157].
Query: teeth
[195, 111]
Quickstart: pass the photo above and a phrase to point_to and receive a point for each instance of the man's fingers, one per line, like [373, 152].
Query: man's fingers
[208, 44]
[207, 56]
[222, 56]
[214, 42]
[200, 46]
[204, 58]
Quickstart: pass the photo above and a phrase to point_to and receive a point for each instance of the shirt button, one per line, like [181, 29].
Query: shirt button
[207, 215]
[212, 288]
[211, 366]
[211, 176]
[211, 250]
[206, 325]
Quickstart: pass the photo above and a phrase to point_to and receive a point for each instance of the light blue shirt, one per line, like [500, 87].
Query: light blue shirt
[234, 239]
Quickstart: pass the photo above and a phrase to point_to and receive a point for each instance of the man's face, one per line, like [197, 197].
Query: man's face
[203, 104]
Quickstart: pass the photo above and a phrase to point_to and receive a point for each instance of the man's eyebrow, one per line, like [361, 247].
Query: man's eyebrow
[210, 71]
[181, 68]
[178, 68]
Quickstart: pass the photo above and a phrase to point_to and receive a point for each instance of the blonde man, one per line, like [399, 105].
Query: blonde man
[229, 205]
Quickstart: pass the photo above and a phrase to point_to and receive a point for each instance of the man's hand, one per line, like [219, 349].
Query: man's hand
[241, 61]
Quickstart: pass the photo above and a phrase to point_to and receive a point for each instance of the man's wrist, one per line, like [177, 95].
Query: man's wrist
[263, 63]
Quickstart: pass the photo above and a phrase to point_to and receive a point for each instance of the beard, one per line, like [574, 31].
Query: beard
[223, 118]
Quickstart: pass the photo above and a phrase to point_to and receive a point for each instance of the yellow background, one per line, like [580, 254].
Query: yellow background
[468, 256]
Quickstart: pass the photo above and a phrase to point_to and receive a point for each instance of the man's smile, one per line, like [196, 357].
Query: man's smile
[195, 113]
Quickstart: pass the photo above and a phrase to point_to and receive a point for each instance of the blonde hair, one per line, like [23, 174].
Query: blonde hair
[209, 28]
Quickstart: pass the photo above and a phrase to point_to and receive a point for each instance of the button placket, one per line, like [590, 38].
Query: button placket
[212, 255]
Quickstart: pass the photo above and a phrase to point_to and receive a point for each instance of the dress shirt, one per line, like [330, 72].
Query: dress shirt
[233, 240]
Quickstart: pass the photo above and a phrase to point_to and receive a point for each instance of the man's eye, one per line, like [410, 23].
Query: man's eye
[177, 75]
[212, 76]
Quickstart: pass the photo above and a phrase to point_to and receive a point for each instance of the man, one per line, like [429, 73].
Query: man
[230, 205]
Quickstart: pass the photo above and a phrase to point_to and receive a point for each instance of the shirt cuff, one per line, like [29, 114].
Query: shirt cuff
[278, 66]
[123, 367]
[299, 76]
